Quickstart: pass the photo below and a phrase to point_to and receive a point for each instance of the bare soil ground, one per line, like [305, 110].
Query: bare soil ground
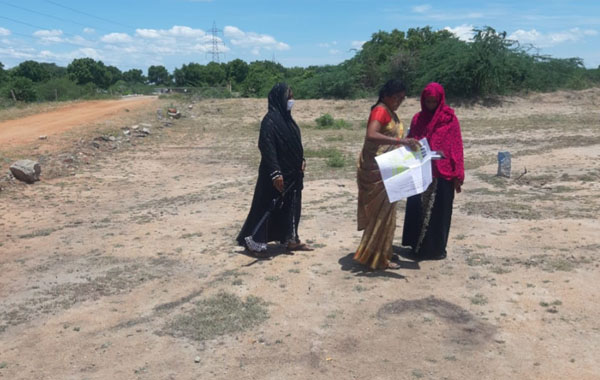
[121, 262]
[55, 121]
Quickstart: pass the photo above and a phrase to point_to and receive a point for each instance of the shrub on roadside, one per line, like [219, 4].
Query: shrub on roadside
[23, 89]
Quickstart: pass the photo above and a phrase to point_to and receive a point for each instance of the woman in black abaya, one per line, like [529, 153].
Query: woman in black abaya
[281, 171]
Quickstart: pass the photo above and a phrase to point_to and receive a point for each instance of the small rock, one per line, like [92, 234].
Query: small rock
[26, 170]
[145, 125]
[190, 107]
[146, 131]
[197, 359]
[135, 127]
[95, 145]
[126, 132]
[43, 137]
[112, 138]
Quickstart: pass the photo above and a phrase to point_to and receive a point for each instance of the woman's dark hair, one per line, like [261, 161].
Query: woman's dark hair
[391, 87]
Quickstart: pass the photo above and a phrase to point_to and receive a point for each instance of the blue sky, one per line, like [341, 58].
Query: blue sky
[137, 34]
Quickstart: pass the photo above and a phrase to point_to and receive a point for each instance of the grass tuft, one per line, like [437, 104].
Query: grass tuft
[223, 314]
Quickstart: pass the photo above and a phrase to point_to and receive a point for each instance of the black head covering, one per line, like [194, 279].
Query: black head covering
[278, 98]
[280, 142]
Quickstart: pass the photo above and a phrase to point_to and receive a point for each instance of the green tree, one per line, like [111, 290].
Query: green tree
[31, 70]
[191, 75]
[214, 74]
[53, 70]
[262, 75]
[236, 72]
[115, 74]
[158, 75]
[3, 75]
[87, 70]
[134, 76]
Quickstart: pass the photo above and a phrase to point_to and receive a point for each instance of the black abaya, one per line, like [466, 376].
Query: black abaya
[280, 145]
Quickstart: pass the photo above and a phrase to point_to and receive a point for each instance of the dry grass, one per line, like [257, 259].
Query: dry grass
[225, 313]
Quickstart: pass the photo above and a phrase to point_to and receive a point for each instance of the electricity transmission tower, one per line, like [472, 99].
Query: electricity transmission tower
[216, 42]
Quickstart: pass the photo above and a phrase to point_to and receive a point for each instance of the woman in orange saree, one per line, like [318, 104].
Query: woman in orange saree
[376, 215]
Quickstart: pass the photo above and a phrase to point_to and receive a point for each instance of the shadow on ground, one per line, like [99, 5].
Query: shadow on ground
[348, 264]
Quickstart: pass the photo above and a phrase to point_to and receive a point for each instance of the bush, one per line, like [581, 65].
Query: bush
[336, 159]
[23, 89]
[325, 121]
[341, 124]
[59, 89]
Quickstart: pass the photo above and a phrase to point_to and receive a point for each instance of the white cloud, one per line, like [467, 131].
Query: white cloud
[116, 38]
[89, 53]
[357, 44]
[334, 51]
[175, 31]
[421, 8]
[427, 14]
[327, 44]
[48, 36]
[253, 41]
[48, 33]
[17, 53]
[147, 33]
[541, 40]
[4, 32]
[89, 30]
[463, 32]
[78, 40]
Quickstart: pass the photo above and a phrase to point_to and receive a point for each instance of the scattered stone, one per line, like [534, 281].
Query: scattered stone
[95, 144]
[43, 137]
[145, 125]
[112, 138]
[126, 132]
[197, 359]
[174, 113]
[190, 107]
[26, 170]
[145, 131]
[135, 127]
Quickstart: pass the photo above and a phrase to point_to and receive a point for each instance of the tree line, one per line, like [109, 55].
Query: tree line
[490, 64]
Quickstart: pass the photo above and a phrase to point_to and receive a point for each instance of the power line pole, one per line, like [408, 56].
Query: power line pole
[216, 42]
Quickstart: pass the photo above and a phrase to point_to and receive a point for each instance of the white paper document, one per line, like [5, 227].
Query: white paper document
[406, 173]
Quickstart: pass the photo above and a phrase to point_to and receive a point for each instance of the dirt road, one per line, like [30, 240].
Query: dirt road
[126, 268]
[28, 129]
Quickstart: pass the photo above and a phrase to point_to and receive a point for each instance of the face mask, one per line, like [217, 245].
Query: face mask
[290, 104]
